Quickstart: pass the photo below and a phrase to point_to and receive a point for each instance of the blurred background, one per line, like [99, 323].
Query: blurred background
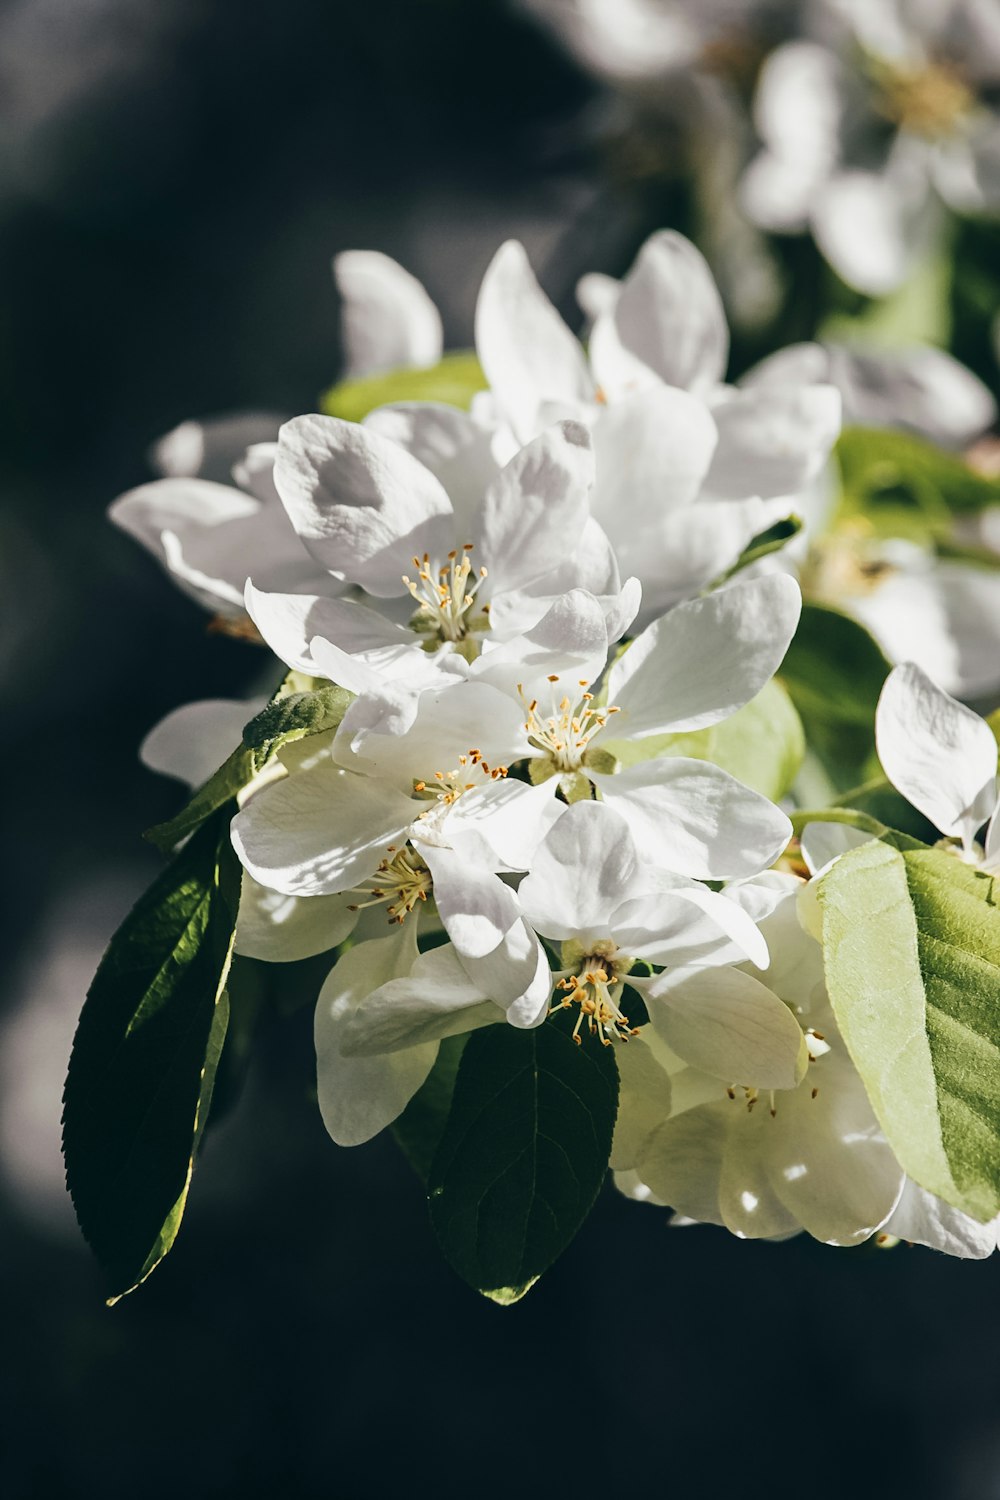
[174, 178]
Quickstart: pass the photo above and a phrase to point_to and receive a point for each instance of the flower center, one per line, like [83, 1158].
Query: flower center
[447, 786]
[446, 599]
[930, 101]
[401, 880]
[596, 988]
[563, 737]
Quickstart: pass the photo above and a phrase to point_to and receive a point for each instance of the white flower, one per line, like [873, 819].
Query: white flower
[392, 820]
[764, 1165]
[942, 757]
[863, 154]
[687, 471]
[693, 667]
[483, 570]
[590, 890]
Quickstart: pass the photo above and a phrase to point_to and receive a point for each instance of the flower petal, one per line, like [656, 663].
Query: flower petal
[536, 502]
[193, 741]
[289, 622]
[937, 752]
[773, 441]
[668, 320]
[319, 831]
[583, 869]
[280, 929]
[922, 1219]
[450, 444]
[705, 659]
[363, 506]
[434, 1000]
[476, 909]
[528, 354]
[209, 449]
[359, 1096]
[698, 819]
[729, 1025]
[388, 322]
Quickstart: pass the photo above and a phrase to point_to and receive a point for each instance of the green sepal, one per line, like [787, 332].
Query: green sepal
[453, 381]
[145, 1056]
[911, 940]
[524, 1152]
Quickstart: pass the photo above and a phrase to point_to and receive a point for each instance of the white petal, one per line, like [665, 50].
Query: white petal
[643, 1098]
[528, 354]
[705, 659]
[359, 1096]
[209, 449]
[584, 868]
[516, 976]
[476, 909]
[180, 507]
[799, 103]
[822, 842]
[700, 820]
[653, 452]
[454, 447]
[597, 293]
[289, 622]
[450, 722]
[773, 441]
[668, 928]
[570, 641]
[668, 320]
[319, 831]
[280, 929]
[922, 1219]
[921, 388]
[434, 1000]
[729, 1025]
[363, 506]
[939, 754]
[535, 503]
[695, 546]
[870, 230]
[193, 741]
[388, 321]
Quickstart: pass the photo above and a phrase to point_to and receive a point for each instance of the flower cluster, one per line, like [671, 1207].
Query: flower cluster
[509, 782]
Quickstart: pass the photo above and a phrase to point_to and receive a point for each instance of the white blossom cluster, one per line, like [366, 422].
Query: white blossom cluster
[862, 121]
[528, 602]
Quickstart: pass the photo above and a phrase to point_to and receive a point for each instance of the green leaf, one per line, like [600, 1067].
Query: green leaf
[523, 1154]
[145, 1056]
[834, 672]
[911, 941]
[421, 1125]
[903, 484]
[454, 381]
[290, 716]
[762, 745]
[917, 312]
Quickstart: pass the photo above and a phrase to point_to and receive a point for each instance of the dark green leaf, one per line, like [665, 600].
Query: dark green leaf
[145, 1056]
[421, 1125]
[523, 1154]
[834, 672]
[911, 940]
[288, 717]
[454, 382]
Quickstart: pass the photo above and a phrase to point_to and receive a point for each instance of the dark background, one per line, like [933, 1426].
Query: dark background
[174, 177]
